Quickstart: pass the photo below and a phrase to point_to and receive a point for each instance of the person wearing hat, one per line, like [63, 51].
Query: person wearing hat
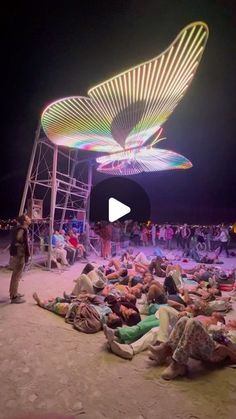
[99, 283]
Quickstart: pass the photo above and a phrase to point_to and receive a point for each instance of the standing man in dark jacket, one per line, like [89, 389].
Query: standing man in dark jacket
[19, 250]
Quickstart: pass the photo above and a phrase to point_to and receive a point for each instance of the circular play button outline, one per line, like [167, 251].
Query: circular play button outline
[126, 192]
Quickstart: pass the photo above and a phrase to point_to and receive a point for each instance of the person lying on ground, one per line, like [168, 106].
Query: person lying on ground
[69, 309]
[91, 280]
[156, 294]
[119, 290]
[122, 306]
[124, 261]
[189, 339]
[202, 289]
[158, 266]
[125, 310]
[206, 292]
[129, 341]
[128, 260]
[141, 264]
[121, 276]
[178, 298]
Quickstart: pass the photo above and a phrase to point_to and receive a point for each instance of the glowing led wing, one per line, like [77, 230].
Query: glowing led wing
[128, 109]
[145, 159]
[141, 99]
[78, 122]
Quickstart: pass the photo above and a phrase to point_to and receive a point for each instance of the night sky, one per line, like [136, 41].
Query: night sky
[57, 49]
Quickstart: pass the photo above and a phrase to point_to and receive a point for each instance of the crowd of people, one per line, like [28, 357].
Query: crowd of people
[8, 224]
[142, 302]
[190, 239]
[202, 244]
[184, 310]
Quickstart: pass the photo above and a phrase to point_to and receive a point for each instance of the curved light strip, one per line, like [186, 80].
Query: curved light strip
[159, 83]
[145, 159]
[126, 110]
[76, 122]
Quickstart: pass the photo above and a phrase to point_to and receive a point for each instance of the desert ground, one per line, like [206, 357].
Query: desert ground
[47, 367]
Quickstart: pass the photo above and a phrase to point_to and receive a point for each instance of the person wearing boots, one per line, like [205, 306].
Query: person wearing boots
[19, 250]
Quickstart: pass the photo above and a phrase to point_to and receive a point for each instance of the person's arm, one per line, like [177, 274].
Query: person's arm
[183, 314]
[176, 305]
[130, 277]
[191, 271]
[113, 275]
[221, 352]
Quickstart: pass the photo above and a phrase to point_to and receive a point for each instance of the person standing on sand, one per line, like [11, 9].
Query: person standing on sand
[19, 250]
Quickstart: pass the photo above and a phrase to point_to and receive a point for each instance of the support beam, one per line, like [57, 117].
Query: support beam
[52, 204]
[69, 189]
[30, 168]
[90, 178]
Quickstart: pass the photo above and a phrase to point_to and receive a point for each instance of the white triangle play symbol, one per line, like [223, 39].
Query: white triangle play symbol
[116, 209]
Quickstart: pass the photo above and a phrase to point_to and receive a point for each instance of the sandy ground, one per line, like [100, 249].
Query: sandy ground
[46, 367]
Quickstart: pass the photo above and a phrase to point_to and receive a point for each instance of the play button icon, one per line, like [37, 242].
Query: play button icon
[119, 197]
[116, 209]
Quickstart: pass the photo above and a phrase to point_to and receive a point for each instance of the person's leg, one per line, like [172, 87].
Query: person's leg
[185, 246]
[221, 248]
[141, 258]
[18, 267]
[116, 263]
[194, 342]
[168, 316]
[107, 248]
[143, 343]
[194, 255]
[151, 266]
[61, 254]
[86, 284]
[139, 267]
[57, 305]
[226, 249]
[208, 244]
[178, 242]
[159, 271]
[130, 334]
[83, 283]
[162, 352]
[170, 286]
[167, 348]
[70, 254]
[127, 351]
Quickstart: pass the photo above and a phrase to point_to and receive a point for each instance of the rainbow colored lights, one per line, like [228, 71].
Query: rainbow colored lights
[127, 110]
[145, 159]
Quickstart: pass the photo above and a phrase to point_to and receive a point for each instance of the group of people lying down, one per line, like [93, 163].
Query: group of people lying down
[184, 315]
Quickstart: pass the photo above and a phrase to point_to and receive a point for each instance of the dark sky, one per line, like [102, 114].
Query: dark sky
[56, 49]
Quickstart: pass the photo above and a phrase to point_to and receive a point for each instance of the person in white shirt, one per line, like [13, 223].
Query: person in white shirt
[224, 241]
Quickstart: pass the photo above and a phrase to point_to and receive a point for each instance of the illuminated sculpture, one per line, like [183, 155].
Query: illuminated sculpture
[125, 112]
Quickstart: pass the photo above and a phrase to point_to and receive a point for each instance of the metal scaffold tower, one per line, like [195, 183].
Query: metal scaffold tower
[57, 188]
